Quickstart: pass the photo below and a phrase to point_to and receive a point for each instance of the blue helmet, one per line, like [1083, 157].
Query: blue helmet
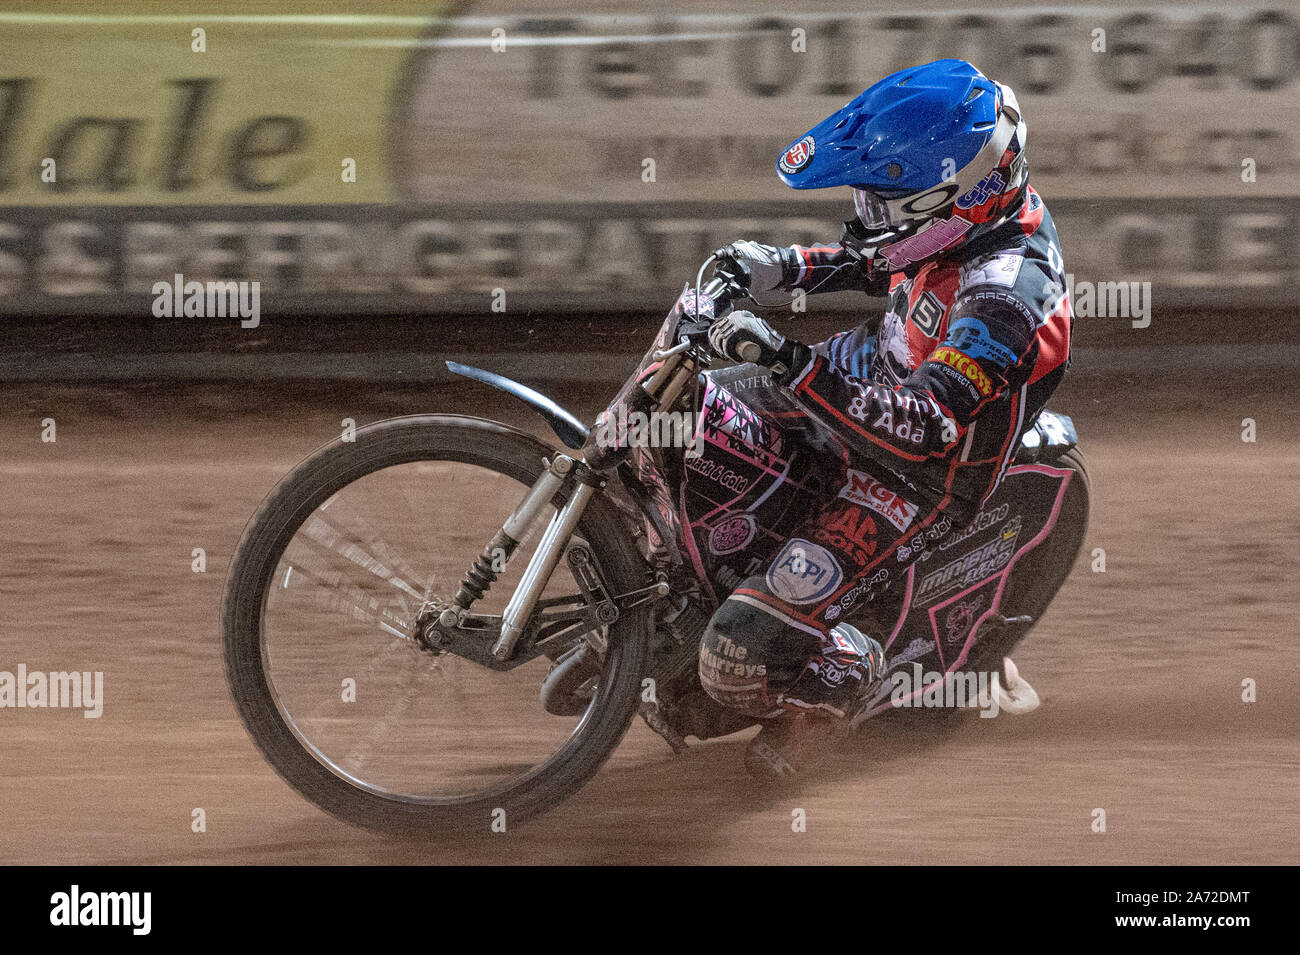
[934, 147]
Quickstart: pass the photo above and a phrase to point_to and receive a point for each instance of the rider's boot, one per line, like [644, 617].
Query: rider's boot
[823, 701]
[1017, 697]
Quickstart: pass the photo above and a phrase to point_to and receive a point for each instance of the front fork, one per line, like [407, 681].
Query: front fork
[550, 549]
[678, 366]
[539, 570]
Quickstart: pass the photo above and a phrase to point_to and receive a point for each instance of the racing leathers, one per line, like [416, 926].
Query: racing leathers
[930, 402]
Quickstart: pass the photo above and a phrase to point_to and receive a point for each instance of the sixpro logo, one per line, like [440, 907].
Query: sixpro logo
[798, 155]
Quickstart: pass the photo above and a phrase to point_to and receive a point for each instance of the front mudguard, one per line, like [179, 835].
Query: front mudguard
[564, 423]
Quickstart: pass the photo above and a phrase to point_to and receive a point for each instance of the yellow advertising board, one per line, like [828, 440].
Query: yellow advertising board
[140, 103]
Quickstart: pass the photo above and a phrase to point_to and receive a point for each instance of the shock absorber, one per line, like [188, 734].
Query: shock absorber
[483, 574]
[479, 579]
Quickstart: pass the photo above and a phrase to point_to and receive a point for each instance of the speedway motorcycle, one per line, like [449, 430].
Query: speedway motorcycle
[444, 623]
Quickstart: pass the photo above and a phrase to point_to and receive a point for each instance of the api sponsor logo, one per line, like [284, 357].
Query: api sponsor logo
[982, 562]
[797, 156]
[731, 534]
[804, 572]
[866, 491]
[966, 365]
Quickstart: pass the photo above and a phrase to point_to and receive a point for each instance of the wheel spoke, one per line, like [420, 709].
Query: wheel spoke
[349, 546]
[332, 592]
[343, 663]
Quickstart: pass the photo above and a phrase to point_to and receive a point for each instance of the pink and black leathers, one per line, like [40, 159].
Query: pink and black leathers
[920, 414]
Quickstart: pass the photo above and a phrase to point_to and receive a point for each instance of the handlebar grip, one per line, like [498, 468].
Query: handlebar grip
[722, 292]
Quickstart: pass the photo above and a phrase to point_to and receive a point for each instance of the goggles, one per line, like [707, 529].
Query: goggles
[878, 211]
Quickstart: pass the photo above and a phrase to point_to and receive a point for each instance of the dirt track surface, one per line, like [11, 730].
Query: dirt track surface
[1140, 668]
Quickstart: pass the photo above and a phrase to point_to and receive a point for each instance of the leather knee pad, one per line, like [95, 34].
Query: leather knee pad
[748, 656]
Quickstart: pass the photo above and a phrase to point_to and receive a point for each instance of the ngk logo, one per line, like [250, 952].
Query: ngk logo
[864, 490]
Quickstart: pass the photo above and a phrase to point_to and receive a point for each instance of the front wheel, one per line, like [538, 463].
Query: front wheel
[319, 637]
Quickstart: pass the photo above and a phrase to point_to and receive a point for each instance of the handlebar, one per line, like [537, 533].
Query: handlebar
[728, 283]
[724, 291]
[721, 290]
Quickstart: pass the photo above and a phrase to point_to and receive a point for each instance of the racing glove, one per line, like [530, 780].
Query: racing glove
[744, 337]
[766, 267]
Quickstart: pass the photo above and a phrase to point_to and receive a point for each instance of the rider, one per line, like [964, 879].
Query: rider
[929, 401]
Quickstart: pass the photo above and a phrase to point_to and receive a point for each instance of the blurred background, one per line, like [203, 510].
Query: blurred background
[590, 155]
[527, 186]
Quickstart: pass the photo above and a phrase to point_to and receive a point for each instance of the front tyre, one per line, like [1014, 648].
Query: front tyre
[318, 626]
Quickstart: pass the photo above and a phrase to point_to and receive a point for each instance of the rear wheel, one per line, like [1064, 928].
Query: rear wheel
[318, 623]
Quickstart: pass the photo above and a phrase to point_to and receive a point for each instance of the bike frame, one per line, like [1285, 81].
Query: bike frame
[670, 372]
